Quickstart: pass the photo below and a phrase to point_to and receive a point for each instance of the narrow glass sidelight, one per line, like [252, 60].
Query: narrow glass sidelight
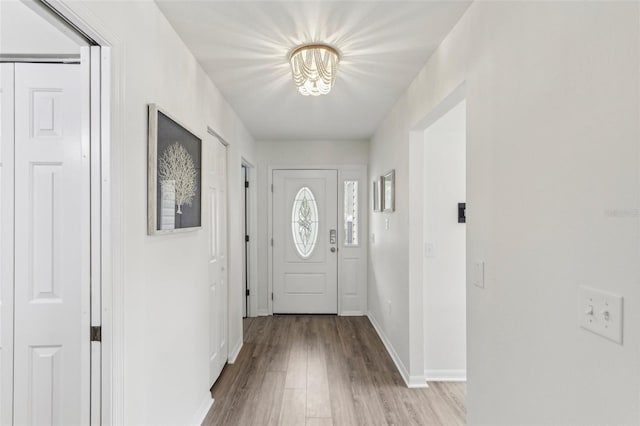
[304, 222]
[351, 213]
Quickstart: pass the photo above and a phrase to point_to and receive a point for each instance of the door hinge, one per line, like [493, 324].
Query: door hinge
[246, 238]
[248, 292]
[271, 187]
[95, 333]
[271, 242]
[271, 296]
[462, 212]
[246, 183]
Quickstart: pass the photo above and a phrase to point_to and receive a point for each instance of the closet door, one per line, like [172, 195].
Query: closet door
[52, 248]
[218, 290]
[6, 243]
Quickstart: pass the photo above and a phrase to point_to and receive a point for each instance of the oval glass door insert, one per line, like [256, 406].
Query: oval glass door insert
[304, 222]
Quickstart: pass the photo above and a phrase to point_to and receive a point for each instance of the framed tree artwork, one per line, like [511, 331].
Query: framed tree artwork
[174, 176]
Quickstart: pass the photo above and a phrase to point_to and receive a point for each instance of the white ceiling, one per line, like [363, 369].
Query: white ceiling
[244, 47]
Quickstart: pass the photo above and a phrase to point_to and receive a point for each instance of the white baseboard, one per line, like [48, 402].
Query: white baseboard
[410, 381]
[445, 375]
[203, 410]
[233, 355]
[351, 314]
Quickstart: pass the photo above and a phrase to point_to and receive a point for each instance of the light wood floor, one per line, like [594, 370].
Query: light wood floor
[324, 370]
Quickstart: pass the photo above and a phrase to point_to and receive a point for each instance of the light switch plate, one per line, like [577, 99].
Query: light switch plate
[478, 274]
[601, 313]
[429, 250]
[386, 223]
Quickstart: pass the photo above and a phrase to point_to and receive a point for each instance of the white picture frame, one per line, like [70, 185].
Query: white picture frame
[168, 136]
[377, 195]
[389, 191]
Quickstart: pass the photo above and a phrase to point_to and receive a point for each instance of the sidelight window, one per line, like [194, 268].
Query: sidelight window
[351, 213]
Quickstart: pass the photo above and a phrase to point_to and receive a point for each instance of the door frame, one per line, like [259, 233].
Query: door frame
[416, 377]
[245, 232]
[107, 187]
[342, 170]
[252, 246]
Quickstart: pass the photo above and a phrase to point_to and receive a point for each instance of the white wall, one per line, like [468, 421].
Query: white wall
[553, 122]
[163, 278]
[24, 31]
[302, 154]
[445, 349]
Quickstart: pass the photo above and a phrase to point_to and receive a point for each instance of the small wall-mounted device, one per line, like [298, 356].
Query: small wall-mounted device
[462, 212]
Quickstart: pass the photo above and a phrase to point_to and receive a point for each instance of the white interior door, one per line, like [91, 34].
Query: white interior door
[51, 283]
[6, 243]
[305, 261]
[216, 164]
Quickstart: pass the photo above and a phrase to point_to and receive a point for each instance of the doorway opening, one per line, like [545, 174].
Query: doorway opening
[445, 247]
[422, 251]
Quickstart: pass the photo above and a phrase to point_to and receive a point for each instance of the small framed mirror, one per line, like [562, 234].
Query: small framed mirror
[389, 191]
[377, 195]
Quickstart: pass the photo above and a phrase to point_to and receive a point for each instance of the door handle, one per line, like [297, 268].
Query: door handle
[333, 236]
[333, 249]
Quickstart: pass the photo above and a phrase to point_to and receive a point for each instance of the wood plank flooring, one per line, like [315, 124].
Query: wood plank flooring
[324, 371]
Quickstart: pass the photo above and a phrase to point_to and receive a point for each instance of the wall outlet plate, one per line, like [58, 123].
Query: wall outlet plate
[478, 274]
[601, 313]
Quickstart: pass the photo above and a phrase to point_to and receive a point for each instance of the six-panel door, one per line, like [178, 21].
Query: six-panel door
[216, 164]
[50, 247]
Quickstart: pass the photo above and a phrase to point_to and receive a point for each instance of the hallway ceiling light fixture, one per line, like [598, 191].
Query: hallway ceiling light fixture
[313, 67]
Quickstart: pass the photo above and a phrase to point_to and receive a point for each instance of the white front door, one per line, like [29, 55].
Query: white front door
[305, 260]
[216, 163]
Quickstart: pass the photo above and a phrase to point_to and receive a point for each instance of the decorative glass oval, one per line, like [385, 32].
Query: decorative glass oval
[304, 222]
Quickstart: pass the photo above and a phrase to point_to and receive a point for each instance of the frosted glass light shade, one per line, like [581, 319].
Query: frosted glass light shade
[313, 68]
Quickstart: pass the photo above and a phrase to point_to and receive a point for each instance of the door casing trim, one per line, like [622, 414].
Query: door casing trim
[111, 212]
